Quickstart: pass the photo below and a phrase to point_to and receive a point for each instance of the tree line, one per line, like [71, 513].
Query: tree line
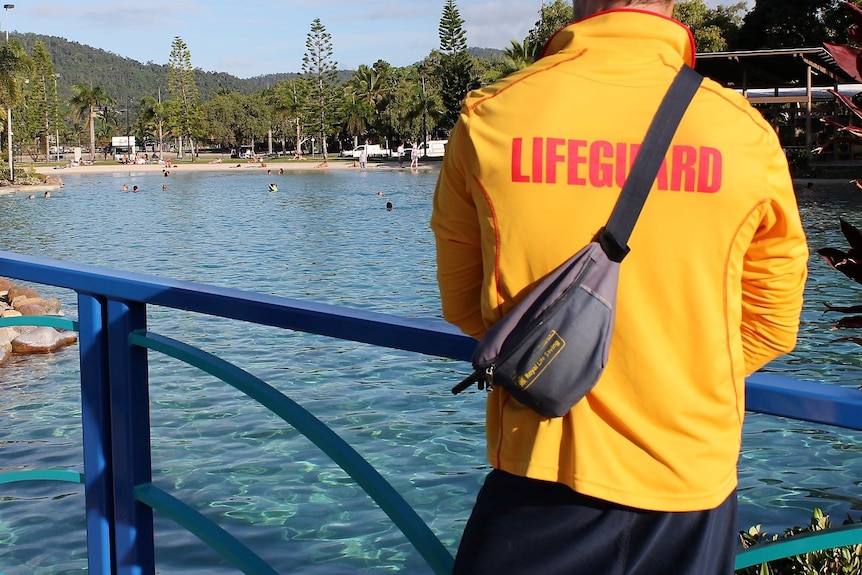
[322, 109]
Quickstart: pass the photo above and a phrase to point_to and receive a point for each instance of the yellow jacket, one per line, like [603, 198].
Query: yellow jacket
[712, 288]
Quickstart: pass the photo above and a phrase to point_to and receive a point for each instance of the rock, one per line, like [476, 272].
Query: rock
[49, 306]
[52, 181]
[31, 309]
[18, 291]
[7, 334]
[18, 329]
[43, 340]
[5, 354]
[5, 284]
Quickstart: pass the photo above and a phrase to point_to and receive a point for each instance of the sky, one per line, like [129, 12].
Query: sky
[248, 39]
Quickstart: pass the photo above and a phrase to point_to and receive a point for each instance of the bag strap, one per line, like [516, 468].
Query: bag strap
[615, 235]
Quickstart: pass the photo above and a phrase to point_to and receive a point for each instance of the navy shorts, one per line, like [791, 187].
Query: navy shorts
[526, 526]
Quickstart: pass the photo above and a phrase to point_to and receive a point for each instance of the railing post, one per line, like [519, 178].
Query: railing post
[130, 417]
[96, 430]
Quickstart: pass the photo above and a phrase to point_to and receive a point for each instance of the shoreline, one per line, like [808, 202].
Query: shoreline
[200, 166]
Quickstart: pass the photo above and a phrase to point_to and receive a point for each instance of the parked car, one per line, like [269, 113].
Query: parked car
[244, 152]
[374, 151]
[434, 148]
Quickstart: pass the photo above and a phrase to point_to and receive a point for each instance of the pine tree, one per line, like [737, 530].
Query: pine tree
[456, 69]
[184, 94]
[453, 39]
[43, 108]
[320, 71]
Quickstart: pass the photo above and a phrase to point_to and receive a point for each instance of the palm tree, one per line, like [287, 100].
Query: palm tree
[517, 57]
[356, 114]
[368, 87]
[15, 65]
[87, 100]
[426, 105]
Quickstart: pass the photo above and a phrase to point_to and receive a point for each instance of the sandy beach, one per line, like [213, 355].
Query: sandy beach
[202, 165]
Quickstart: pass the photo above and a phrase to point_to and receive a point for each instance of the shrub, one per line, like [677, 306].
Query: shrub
[838, 561]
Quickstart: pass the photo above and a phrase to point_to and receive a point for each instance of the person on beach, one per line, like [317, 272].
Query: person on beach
[640, 476]
[363, 159]
[401, 155]
[414, 157]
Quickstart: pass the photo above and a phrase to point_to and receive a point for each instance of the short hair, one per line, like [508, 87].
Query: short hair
[633, 2]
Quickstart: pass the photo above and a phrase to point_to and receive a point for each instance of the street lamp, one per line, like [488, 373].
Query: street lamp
[8, 7]
[128, 134]
[56, 119]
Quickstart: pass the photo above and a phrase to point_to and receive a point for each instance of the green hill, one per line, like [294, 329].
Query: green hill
[124, 78]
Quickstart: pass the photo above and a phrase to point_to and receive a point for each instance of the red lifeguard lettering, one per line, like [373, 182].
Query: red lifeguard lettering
[661, 177]
[517, 154]
[608, 164]
[576, 158]
[601, 172]
[538, 159]
[554, 158]
[709, 171]
[684, 161]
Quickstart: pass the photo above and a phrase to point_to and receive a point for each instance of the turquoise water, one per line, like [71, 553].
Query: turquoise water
[326, 236]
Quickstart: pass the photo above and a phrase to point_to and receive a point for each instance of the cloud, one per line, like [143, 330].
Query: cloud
[495, 24]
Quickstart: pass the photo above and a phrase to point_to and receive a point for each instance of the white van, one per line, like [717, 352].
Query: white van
[372, 151]
[436, 148]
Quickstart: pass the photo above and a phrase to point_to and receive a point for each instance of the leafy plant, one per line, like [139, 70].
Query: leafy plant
[838, 561]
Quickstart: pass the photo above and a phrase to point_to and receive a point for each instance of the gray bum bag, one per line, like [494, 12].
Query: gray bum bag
[549, 351]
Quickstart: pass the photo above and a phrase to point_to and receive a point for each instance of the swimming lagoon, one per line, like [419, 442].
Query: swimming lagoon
[327, 236]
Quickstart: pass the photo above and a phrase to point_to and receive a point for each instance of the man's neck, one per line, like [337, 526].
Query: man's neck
[584, 8]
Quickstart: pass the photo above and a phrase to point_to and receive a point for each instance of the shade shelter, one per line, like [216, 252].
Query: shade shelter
[777, 76]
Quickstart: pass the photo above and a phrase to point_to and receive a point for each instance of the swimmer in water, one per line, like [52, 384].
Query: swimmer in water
[273, 187]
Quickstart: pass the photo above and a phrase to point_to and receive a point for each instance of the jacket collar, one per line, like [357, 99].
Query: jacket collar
[625, 26]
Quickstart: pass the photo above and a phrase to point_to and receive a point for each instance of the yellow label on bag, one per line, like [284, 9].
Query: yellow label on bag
[545, 354]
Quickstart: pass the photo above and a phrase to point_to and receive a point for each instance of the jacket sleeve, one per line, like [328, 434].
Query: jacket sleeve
[774, 273]
[455, 224]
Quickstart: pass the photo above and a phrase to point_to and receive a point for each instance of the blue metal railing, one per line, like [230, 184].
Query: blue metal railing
[113, 341]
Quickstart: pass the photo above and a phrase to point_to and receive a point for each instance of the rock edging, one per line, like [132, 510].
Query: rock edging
[18, 301]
